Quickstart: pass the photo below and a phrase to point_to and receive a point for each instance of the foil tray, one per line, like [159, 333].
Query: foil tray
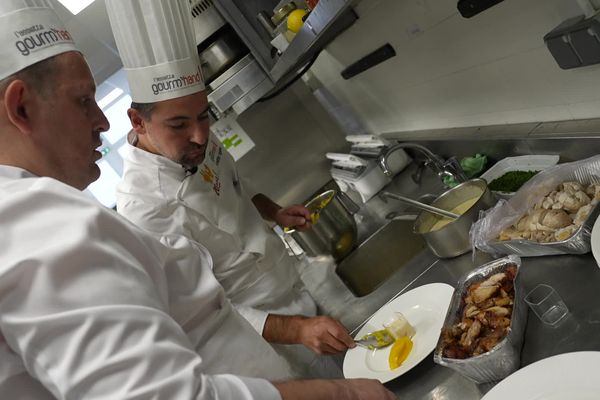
[503, 359]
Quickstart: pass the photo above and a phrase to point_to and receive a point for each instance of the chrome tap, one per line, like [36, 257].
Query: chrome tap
[450, 167]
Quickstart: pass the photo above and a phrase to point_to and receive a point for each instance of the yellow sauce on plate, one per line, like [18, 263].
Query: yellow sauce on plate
[400, 351]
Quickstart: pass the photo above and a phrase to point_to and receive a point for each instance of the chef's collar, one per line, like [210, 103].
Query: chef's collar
[190, 171]
[132, 139]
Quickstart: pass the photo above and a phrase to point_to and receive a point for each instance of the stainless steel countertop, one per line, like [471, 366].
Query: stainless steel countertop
[576, 279]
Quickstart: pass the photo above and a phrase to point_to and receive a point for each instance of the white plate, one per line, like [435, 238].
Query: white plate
[595, 241]
[570, 376]
[425, 308]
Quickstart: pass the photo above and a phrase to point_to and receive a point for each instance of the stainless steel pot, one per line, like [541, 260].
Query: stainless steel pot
[223, 52]
[335, 230]
[453, 239]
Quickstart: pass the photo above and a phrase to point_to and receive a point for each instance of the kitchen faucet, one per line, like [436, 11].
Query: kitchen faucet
[450, 167]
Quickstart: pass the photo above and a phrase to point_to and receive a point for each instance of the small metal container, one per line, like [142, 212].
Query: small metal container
[453, 239]
[223, 52]
[503, 359]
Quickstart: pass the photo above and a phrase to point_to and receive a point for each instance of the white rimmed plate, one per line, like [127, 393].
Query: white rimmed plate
[595, 241]
[572, 376]
[425, 308]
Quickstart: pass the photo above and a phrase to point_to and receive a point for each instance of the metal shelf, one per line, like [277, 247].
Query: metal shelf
[324, 23]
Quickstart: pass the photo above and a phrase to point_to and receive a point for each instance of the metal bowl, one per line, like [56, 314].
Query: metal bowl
[453, 239]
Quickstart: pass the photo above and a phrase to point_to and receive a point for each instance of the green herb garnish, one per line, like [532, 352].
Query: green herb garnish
[511, 181]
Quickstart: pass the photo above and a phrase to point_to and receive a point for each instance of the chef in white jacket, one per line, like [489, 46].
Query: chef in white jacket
[178, 180]
[86, 306]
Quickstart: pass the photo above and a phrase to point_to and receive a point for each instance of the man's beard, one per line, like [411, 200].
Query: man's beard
[187, 160]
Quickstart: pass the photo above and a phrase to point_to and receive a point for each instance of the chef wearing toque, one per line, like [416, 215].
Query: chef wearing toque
[177, 179]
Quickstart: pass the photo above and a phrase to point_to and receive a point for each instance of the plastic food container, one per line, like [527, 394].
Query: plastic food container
[505, 357]
[485, 231]
[521, 163]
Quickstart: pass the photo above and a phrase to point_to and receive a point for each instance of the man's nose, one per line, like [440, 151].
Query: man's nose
[102, 123]
[200, 134]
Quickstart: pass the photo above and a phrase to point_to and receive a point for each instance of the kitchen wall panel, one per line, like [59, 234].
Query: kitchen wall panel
[292, 133]
[454, 72]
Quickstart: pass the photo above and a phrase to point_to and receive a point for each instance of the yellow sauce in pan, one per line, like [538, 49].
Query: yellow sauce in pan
[459, 209]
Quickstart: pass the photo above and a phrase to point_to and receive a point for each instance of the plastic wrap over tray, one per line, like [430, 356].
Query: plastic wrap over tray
[485, 231]
[505, 357]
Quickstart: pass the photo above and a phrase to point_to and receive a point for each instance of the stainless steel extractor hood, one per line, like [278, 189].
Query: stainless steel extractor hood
[253, 66]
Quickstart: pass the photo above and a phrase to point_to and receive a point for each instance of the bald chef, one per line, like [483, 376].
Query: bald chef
[179, 180]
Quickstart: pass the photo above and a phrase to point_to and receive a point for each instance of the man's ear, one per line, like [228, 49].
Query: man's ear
[138, 123]
[17, 105]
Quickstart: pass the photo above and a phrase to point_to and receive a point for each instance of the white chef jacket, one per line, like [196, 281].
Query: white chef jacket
[213, 207]
[85, 301]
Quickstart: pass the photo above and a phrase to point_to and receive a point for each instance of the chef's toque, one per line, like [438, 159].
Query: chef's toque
[157, 45]
[30, 31]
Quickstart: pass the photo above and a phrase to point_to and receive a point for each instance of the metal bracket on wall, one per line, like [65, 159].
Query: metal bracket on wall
[369, 61]
[469, 8]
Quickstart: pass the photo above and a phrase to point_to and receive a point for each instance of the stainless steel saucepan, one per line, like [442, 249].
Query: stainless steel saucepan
[334, 229]
[452, 239]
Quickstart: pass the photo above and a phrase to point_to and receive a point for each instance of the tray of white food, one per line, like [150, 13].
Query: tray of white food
[551, 214]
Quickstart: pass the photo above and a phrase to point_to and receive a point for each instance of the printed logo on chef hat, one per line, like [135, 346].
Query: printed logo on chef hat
[165, 81]
[157, 45]
[170, 82]
[29, 35]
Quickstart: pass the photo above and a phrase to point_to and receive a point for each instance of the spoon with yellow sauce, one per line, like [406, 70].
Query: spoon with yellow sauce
[315, 206]
[376, 340]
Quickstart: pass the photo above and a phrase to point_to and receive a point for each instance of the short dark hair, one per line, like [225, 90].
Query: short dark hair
[37, 75]
[144, 108]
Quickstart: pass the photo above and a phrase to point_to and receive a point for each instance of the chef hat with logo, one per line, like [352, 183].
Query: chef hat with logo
[157, 45]
[30, 31]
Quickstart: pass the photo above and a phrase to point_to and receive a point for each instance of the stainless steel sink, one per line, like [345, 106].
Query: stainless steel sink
[380, 256]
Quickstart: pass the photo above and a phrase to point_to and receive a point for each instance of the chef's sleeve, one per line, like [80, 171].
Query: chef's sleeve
[255, 317]
[83, 304]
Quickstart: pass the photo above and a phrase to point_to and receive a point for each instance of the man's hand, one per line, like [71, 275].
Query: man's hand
[323, 335]
[338, 389]
[296, 217]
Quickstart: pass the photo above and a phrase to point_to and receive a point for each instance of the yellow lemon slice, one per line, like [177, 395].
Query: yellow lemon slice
[400, 351]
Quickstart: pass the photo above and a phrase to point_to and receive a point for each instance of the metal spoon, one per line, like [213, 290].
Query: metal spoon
[375, 340]
[422, 206]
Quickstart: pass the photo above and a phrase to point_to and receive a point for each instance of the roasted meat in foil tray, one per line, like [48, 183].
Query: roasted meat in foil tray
[483, 331]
